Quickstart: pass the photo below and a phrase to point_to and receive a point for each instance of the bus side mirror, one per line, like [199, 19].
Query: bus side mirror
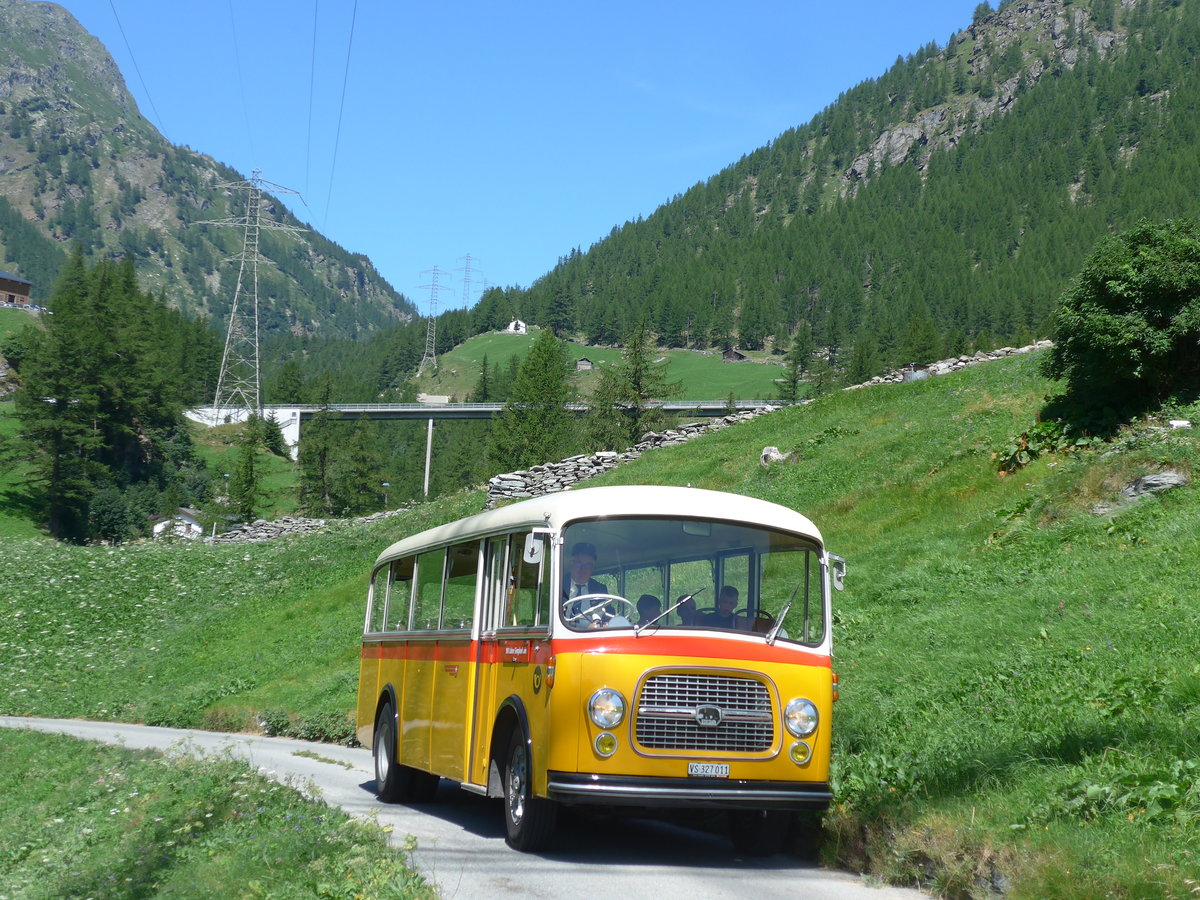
[534, 548]
[837, 572]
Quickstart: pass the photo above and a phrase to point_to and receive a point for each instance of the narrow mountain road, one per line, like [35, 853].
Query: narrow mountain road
[460, 838]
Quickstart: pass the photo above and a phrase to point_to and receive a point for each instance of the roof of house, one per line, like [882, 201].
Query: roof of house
[11, 277]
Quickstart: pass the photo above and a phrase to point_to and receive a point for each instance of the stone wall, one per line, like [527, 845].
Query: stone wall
[550, 478]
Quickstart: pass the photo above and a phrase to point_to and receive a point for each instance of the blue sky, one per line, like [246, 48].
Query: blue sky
[509, 132]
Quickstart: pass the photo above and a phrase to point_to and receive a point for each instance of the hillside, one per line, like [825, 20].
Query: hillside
[940, 207]
[79, 163]
[1019, 682]
[702, 375]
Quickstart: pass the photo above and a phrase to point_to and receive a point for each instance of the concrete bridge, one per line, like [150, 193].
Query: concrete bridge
[291, 417]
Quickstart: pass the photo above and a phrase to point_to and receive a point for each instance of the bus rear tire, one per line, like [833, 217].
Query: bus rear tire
[528, 820]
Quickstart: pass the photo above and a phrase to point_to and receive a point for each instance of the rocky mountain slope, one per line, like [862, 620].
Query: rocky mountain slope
[78, 162]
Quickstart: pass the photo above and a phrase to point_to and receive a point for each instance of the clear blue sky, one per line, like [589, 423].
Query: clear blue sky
[512, 132]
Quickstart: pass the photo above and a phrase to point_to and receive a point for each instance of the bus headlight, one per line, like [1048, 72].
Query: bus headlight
[607, 708]
[800, 753]
[800, 717]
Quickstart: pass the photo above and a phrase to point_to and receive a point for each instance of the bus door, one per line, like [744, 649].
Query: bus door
[514, 645]
[417, 704]
[454, 668]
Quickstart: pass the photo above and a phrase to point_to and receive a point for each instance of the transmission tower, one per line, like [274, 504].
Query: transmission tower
[238, 385]
[430, 357]
[467, 272]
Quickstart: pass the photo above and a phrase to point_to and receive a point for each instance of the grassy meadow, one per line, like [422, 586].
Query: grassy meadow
[13, 320]
[79, 819]
[701, 375]
[1020, 682]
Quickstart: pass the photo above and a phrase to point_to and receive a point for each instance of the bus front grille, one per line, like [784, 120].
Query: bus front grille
[704, 712]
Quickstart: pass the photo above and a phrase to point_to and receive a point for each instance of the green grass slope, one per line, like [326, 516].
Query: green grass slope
[702, 375]
[1020, 685]
[79, 819]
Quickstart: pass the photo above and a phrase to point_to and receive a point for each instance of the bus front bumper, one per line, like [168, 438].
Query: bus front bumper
[709, 793]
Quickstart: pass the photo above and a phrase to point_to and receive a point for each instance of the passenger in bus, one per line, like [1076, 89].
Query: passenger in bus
[649, 608]
[724, 617]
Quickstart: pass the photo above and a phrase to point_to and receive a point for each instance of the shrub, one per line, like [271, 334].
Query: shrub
[1126, 331]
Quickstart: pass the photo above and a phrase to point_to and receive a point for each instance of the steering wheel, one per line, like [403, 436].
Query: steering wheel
[605, 600]
[760, 620]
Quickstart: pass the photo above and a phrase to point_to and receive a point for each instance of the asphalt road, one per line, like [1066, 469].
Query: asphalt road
[460, 837]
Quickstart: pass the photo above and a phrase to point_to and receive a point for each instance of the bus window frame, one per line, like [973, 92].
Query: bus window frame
[811, 547]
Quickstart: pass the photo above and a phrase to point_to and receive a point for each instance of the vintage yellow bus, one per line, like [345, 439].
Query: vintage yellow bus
[645, 647]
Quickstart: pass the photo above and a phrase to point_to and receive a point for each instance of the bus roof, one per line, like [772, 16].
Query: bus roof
[557, 510]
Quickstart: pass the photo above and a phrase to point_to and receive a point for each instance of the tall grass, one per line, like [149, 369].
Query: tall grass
[84, 820]
[1020, 684]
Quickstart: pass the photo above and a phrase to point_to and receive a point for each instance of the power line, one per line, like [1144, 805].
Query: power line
[341, 108]
[137, 69]
[312, 77]
[237, 61]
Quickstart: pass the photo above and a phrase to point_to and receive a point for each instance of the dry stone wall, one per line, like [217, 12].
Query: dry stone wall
[550, 478]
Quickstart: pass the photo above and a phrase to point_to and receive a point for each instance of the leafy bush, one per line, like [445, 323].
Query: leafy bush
[1127, 332]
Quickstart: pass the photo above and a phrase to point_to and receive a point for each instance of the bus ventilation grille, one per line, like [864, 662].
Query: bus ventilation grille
[672, 707]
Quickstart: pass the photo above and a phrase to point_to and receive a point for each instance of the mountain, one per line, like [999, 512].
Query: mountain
[78, 162]
[940, 207]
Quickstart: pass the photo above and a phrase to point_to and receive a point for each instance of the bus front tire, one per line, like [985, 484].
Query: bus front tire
[396, 783]
[528, 820]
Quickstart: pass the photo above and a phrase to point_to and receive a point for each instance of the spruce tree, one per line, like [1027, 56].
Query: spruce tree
[535, 425]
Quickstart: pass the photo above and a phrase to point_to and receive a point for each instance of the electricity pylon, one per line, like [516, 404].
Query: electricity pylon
[238, 385]
[430, 357]
[467, 273]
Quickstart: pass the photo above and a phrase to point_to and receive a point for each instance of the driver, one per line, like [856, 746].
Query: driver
[579, 581]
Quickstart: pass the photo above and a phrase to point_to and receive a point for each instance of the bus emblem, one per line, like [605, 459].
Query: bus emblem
[708, 716]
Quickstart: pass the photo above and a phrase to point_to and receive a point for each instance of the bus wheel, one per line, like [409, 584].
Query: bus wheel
[758, 832]
[391, 783]
[528, 820]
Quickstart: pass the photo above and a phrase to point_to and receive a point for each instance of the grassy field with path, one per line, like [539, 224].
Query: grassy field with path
[1020, 687]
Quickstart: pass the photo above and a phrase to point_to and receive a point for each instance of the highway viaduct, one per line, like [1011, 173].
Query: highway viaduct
[291, 417]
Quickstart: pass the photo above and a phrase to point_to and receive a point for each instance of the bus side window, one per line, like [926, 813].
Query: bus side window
[461, 577]
[427, 602]
[377, 598]
[530, 594]
[495, 601]
[399, 594]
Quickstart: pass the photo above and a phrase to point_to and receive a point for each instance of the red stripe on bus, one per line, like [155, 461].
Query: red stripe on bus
[666, 646]
[705, 647]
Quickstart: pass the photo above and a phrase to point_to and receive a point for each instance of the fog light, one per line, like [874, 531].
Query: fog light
[606, 744]
[800, 753]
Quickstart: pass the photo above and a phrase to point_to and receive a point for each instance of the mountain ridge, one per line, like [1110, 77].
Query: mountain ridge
[79, 162]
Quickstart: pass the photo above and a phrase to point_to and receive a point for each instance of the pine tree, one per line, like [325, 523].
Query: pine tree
[245, 486]
[358, 482]
[620, 412]
[535, 425]
[318, 439]
[796, 363]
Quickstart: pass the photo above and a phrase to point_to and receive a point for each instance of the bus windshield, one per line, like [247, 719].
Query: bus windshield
[665, 575]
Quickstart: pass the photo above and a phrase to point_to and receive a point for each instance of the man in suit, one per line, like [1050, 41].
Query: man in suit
[579, 581]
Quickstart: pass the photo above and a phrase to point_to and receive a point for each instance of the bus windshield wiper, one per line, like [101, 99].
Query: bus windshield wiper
[774, 632]
[637, 629]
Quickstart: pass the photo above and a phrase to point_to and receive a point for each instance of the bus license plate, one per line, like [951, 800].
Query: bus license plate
[709, 770]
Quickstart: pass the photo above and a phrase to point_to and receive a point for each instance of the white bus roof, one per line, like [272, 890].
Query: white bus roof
[557, 510]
